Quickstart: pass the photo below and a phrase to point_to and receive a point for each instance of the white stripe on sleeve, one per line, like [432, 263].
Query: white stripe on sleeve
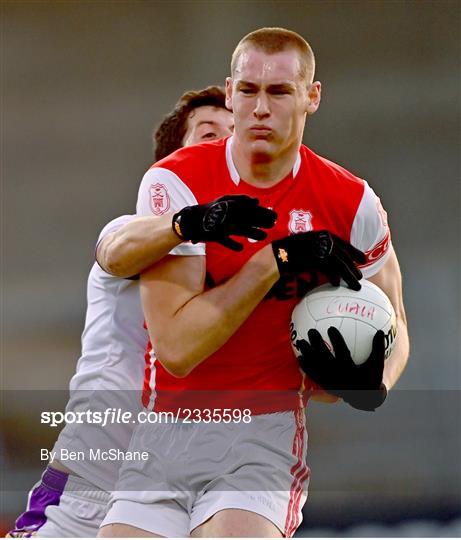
[370, 232]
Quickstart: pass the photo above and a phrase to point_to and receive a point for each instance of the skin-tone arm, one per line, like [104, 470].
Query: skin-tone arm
[137, 245]
[176, 304]
[389, 279]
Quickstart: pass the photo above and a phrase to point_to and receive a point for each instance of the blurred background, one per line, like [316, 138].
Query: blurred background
[84, 83]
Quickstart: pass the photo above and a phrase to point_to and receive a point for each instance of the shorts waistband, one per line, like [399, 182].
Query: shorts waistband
[54, 479]
[78, 486]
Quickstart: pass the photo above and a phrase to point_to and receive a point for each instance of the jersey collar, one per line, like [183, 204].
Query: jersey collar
[233, 170]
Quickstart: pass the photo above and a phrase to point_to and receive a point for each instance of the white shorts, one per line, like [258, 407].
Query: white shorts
[62, 506]
[195, 470]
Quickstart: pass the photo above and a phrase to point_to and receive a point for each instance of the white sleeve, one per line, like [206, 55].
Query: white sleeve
[114, 225]
[162, 191]
[370, 232]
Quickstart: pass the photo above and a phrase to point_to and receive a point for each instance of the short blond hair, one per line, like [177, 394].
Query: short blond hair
[274, 40]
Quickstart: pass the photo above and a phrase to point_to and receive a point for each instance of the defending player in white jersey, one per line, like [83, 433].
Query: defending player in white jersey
[218, 321]
[71, 498]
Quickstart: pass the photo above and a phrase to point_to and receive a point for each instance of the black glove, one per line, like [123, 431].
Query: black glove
[319, 251]
[360, 386]
[217, 220]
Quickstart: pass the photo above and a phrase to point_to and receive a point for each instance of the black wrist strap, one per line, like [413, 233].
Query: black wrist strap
[281, 257]
[176, 226]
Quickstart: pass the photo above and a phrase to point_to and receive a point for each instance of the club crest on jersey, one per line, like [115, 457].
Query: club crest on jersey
[159, 199]
[300, 221]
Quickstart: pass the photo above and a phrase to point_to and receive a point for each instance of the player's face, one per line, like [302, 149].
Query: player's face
[207, 124]
[270, 101]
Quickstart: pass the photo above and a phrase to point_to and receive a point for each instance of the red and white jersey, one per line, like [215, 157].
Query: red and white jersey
[317, 194]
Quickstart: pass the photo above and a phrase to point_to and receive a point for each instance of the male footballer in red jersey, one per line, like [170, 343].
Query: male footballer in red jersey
[218, 320]
[71, 498]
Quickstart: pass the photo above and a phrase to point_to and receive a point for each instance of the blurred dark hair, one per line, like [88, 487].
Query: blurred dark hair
[168, 136]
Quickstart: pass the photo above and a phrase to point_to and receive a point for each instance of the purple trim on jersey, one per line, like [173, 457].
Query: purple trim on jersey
[47, 493]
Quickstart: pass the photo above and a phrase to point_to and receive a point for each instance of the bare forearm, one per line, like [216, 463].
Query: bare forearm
[397, 361]
[389, 280]
[137, 245]
[203, 324]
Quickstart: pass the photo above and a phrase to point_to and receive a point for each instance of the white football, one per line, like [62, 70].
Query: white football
[358, 315]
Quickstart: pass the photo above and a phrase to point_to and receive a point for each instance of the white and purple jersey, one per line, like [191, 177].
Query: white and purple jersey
[109, 373]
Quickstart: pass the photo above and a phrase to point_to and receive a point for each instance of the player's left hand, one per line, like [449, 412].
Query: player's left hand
[361, 385]
[319, 251]
[218, 220]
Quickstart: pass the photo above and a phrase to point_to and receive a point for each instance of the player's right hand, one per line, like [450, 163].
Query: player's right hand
[216, 221]
[360, 386]
[319, 251]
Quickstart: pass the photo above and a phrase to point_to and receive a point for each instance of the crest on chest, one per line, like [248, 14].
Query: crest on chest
[300, 221]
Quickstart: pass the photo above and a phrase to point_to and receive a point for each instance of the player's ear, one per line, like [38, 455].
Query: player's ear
[313, 93]
[229, 93]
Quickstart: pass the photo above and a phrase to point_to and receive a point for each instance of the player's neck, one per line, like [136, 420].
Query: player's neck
[260, 170]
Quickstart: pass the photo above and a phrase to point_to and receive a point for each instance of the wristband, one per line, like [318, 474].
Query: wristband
[176, 225]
